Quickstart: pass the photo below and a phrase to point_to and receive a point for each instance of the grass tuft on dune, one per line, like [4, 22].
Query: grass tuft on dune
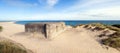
[116, 25]
[8, 46]
[113, 40]
[1, 28]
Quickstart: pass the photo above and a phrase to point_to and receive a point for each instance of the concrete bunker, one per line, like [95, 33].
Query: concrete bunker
[48, 29]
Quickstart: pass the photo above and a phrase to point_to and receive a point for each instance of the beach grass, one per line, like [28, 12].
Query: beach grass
[1, 28]
[7, 46]
[113, 40]
[116, 25]
[100, 25]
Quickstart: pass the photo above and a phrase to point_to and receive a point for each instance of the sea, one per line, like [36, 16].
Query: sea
[74, 22]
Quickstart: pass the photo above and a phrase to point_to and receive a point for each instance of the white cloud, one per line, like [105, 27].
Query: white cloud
[90, 4]
[49, 3]
[52, 3]
[111, 11]
[96, 10]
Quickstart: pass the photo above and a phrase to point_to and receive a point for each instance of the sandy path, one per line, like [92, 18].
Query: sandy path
[71, 41]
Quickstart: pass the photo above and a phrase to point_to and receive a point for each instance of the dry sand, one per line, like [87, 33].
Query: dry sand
[71, 41]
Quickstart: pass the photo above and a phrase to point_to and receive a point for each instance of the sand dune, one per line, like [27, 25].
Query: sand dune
[71, 41]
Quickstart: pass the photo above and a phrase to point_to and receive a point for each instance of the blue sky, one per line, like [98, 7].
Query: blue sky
[59, 9]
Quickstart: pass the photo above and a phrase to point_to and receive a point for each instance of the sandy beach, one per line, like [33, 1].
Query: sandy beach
[73, 40]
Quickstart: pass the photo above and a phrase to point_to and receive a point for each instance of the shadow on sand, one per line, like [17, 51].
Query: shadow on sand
[22, 34]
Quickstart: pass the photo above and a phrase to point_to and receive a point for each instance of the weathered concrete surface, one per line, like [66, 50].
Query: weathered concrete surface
[53, 29]
[48, 29]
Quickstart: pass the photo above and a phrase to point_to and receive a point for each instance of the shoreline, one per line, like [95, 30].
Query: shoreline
[69, 22]
[74, 23]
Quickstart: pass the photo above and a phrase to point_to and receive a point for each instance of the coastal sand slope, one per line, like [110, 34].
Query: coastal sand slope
[71, 41]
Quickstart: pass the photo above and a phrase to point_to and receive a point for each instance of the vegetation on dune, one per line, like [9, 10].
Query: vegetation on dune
[113, 28]
[7, 46]
[100, 25]
[113, 40]
[1, 28]
[116, 25]
[86, 26]
[115, 35]
[95, 26]
[77, 25]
